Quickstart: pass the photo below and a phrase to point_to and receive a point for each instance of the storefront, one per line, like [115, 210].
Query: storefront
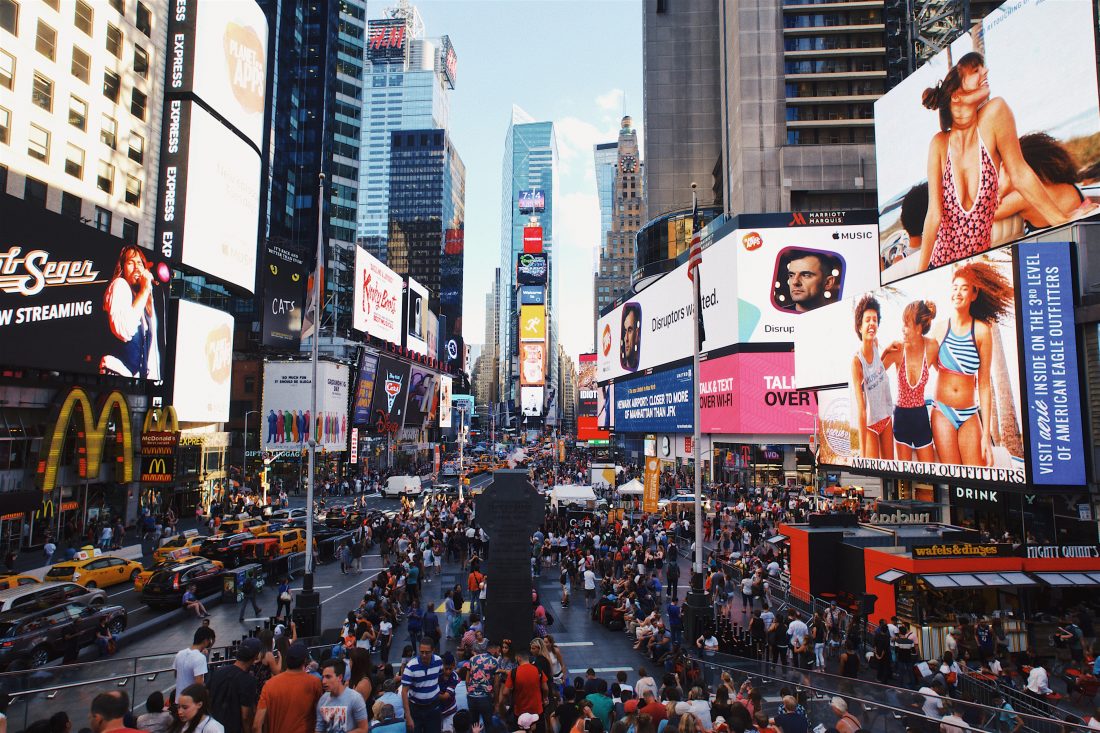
[771, 464]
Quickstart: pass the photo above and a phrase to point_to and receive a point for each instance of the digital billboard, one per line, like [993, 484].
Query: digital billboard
[286, 402]
[531, 269]
[364, 389]
[386, 39]
[200, 387]
[1033, 161]
[219, 54]
[445, 391]
[77, 300]
[660, 402]
[531, 201]
[532, 323]
[532, 364]
[448, 61]
[391, 390]
[284, 290]
[377, 298]
[532, 239]
[587, 399]
[753, 393]
[530, 400]
[416, 317]
[933, 384]
[195, 193]
[423, 399]
[763, 274]
[532, 295]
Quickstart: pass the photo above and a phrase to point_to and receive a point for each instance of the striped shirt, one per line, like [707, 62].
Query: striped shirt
[423, 680]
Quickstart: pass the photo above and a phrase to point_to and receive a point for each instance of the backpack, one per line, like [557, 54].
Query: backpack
[549, 618]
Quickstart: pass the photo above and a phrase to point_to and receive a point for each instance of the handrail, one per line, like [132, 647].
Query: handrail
[15, 694]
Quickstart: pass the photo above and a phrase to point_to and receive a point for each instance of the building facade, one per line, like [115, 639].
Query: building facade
[628, 213]
[606, 159]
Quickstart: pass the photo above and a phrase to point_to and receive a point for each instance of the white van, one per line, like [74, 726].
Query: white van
[402, 486]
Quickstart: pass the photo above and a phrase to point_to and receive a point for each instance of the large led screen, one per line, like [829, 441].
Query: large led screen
[200, 390]
[532, 364]
[655, 403]
[1030, 161]
[416, 317]
[391, 392]
[532, 323]
[932, 368]
[530, 400]
[284, 290]
[364, 390]
[286, 405]
[423, 400]
[531, 269]
[445, 392]
[377, 298]
[754, 393]
[77, 300]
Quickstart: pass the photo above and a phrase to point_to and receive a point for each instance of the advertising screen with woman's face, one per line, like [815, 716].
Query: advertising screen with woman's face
[994, 138]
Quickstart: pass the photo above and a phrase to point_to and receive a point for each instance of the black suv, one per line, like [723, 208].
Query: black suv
[33, 638]
[166, 587]
[226, 548]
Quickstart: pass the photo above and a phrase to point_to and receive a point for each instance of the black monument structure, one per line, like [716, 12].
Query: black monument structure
[510, 510]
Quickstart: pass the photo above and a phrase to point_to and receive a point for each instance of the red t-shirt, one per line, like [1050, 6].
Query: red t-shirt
[655, 710]
[527, 696]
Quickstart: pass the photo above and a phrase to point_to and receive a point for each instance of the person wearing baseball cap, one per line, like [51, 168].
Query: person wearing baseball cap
[288, 702]
[527, 721]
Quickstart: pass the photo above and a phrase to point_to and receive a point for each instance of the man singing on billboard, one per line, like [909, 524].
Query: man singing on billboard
[134, 351]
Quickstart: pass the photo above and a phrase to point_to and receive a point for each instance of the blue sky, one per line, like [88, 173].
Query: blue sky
[560, 60]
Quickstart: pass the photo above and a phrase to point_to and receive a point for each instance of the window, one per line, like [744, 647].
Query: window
[108, 134]
[141, 61]
[46, 42]
[102, 219]
[144, 19]
[9, 16]
[5, 127]
[137, 148]
[137, 104]
[7, 69]
[78, 113]
[83, 17]
[82, 65]
[112, 85]
[34, 191]
[42, 92]
[71, 205]
[38, 144]
[129, 231]
[114, 41]
[118, 5]
[133, 190]
[74, 161]
[105, 177]
[52, 3]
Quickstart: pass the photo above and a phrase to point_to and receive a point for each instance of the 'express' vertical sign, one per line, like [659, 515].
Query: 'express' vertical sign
[1050, 361]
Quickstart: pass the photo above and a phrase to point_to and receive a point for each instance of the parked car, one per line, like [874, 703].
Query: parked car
[143, 577]
[190, 540]
[40, 595]
[255, 525]
[225, 548]
[15, 580]
[166, 587]
[95, 570]
[31, 638]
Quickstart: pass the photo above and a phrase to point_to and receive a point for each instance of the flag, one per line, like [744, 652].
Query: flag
[316, 282]
[695, 259]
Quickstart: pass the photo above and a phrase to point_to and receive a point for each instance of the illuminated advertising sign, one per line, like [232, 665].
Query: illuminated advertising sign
[532, 240]
[158, 455]
[532, 323]
[448, 61]
[1032, 123]
[655, 403]
[284, 290]
[77, 300]
[587, 390]
[75, 410]
[219, 54]
[531, 201]
[423, 399]
[386, 39]
[753, 393]
[445, 387]
[532, 366]
[531, 269]
[196, 191]
[286, 401]
[200, 387]
[364, 389]
[786, 265]
[948, 403]
[377, 298]
[416, 317]
[391, 391]
[530, 399]
[532, 295]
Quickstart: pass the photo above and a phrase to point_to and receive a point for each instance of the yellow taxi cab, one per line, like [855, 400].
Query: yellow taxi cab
[255, 525]
[171, 560]
[15, 580]
[189, 540]
[289, 540]
[95, 570]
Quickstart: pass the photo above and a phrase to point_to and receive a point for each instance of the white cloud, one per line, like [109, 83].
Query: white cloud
[611, 101]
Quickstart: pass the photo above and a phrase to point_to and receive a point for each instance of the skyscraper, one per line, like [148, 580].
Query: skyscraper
[606, 158]
[530, 163]
[407, 84]
[316, 100]
[628, 213]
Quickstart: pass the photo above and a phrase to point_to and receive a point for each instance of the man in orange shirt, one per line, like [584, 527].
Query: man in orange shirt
[288, 703]
[473, 584]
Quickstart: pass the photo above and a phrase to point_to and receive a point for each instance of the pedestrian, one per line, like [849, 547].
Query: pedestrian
[108, 713]
[193, 709]
[49, 549]
[233, 690]
[341, 709]
[288, 701]
[248, 589]
[420, 690]
[190, 663]
[283, 598]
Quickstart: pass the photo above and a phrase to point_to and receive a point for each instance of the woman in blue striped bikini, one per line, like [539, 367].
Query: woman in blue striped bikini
[962, 415]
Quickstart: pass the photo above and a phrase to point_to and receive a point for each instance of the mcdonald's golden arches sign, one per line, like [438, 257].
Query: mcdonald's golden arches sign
[91, 437]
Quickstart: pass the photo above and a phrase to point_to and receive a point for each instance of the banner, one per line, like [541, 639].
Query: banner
[754, 393]
[531, 401]
[390, 393]
[532, 323]
[532, 367]
[364, 390]
[651, 487]
[532, 295]
[531, 201]
[532, 240]
[423, 397]
[416, 317]
[286, 403]
[531, 269]
[158, 456]
[377, 298]
[655, 403]
[201, 375]
[444, 401]
[284, 292]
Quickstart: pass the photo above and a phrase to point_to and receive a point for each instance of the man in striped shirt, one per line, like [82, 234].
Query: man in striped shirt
[420, 690]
